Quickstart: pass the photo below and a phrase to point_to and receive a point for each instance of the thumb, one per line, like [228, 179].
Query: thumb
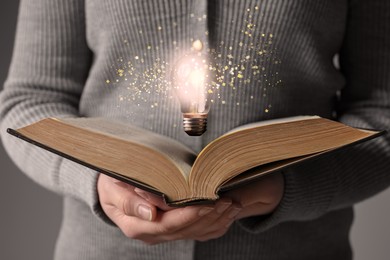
[134, 206]
[120, 195]
[153, 199]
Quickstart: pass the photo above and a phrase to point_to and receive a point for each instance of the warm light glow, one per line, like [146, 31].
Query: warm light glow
[190, 82]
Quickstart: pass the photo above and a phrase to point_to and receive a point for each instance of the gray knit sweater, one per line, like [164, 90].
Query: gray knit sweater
[110, 58]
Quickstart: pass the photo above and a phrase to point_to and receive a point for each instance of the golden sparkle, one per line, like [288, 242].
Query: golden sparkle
[254, 55]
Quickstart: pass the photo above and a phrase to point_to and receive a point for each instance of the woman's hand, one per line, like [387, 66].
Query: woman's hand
[260, 197]
[143, 216]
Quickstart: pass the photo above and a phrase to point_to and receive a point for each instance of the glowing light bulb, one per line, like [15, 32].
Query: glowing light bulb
[192, 87]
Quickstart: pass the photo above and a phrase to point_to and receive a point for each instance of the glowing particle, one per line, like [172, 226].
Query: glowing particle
[136, 57]
[230, 56]
[248, 57]
[210, 91]
[223, 102]
[256, 7]
[248, 10]
[159, 28]
[108, 81]
[197, 45]
[266, 110]
[240, 44]
[149, 47]
[263, 35]
[271, 35]
[238, 103]
[230, 48]
[240, 76]
[120, 72]
[174, 42]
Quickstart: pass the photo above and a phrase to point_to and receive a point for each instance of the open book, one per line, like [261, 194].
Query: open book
[165, 166]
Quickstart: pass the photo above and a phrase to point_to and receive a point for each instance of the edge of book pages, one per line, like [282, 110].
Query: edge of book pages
[238, 181]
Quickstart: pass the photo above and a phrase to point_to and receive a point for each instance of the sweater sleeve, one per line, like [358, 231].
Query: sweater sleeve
[339, 180]
[50, 65]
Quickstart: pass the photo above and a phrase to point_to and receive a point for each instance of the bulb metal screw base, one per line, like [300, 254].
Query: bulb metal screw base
[195, 124]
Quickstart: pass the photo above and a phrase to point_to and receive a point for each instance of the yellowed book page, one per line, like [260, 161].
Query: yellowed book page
[272, 122]
[239, 151]
[182, 156]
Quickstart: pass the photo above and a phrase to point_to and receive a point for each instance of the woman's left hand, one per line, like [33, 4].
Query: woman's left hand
[260, 197]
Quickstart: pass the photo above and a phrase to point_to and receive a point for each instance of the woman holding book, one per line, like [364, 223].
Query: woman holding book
[94, 59]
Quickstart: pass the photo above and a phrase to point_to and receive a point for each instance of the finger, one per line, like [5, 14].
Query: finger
[268, 190]
[165, 225]
[193, 222]
[214, 224]
[122, 196]
[153, 199]
[255, 209]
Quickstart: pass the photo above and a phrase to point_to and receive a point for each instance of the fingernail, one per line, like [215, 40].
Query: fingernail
[223, 206]
[234, 212]
[204, 211]
[144, 212]
[141, 193]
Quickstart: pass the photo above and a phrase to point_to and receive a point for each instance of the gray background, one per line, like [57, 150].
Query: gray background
[30, 215]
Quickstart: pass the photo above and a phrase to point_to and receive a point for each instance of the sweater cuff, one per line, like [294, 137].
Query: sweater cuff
[309, 190]
[81, 182]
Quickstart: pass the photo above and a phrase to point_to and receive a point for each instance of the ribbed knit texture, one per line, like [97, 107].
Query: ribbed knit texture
[69, 59]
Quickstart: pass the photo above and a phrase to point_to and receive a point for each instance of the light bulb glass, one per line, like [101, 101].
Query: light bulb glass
[191, 83]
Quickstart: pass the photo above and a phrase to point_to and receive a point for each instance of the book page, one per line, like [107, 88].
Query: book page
[181, 155]
[268, 142]
[271, 122]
